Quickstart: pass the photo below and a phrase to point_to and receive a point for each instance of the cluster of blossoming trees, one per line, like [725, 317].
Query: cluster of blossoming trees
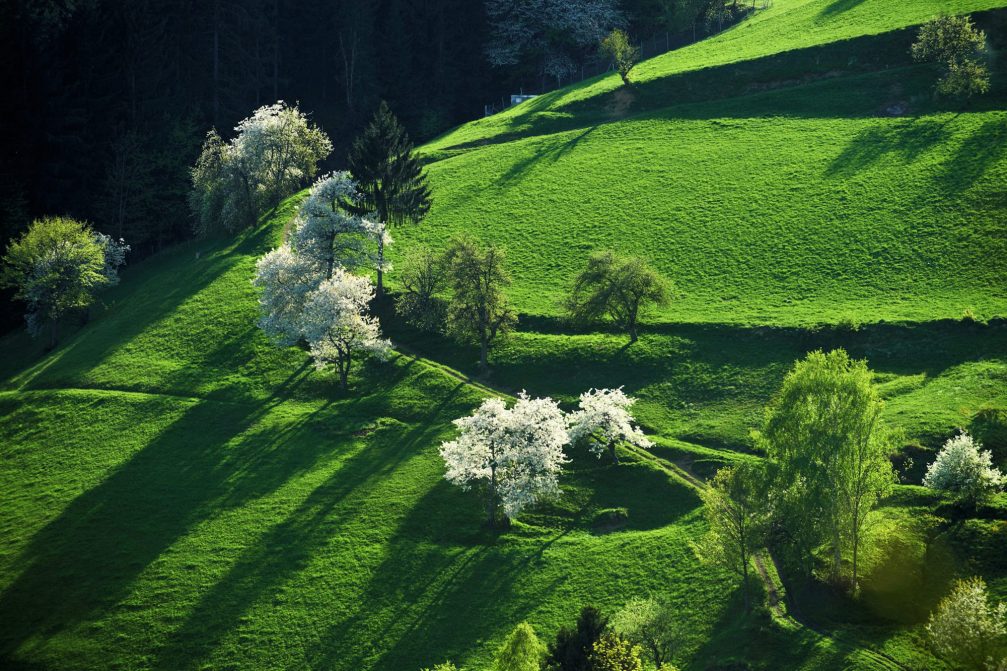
[307, 290]
[517, 452]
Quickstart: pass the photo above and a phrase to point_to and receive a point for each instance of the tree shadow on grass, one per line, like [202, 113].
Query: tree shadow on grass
[906, 140]
[985, 147]
[82, 564]
[287, 548]
[838, 7]
[445, 583]
[142, 300]
[556, 151]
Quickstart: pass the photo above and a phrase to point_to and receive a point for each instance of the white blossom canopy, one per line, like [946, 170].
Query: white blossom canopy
[603, 417]
[285, 279]
[336, 323]
[518, 451]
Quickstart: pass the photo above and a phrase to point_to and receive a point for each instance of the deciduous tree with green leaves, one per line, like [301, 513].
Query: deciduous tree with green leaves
[479, 309]
[621, 51]
[652, 624]
[824, 436]
[618, 287]
[611, 652]
[734, 503]
[958, 47]
[967, 629]
[58, 265]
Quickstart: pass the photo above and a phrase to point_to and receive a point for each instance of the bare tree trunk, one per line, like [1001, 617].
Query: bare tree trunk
[856, 548]
[484, 354]
[612, 452]
[744, 578]
[54, 333]
[380, 291]
[837, 554]
[344, 371]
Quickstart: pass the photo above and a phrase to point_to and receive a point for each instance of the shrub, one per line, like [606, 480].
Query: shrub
[955, 44]
[965, 470]
[966, 628]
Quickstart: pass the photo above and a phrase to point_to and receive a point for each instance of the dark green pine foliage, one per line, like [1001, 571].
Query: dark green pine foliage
[392, 184]
[571, 651]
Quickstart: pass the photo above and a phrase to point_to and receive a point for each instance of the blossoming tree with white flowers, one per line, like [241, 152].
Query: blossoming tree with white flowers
[337, 325]
[326, 231]
[965, 470]
[517, 453]
[603, 420]
[275, 152]
[285, 279]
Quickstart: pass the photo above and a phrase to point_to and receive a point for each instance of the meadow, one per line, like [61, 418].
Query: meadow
[180, 493]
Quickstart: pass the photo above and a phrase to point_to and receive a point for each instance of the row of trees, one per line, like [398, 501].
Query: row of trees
[967, 628]
[462, 291]
[643, 630]
[828, 466]
[516, 454]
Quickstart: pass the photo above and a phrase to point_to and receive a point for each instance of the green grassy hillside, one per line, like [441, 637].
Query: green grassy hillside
[179, 493]
[786, 26]
[789, 221]
[254, 517]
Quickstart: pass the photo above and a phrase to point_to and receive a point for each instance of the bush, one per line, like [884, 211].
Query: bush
[966, 628]
[965, 470]
[609, 519]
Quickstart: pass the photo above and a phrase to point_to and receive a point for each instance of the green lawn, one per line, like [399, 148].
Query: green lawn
[180, 493]
[780, 220]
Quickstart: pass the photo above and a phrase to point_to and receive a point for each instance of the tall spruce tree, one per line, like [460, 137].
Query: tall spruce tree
[391, 181]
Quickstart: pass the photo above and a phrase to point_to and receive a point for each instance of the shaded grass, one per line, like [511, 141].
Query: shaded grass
[179, 493]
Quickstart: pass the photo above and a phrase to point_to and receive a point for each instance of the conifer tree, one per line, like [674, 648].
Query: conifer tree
[391, 181]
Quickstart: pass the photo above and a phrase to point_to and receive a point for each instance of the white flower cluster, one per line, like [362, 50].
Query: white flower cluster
[286, 280]
[277, 144]
[115, 256]
[336, 324]
[964, 469]
[307, 292]
[604, 418]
